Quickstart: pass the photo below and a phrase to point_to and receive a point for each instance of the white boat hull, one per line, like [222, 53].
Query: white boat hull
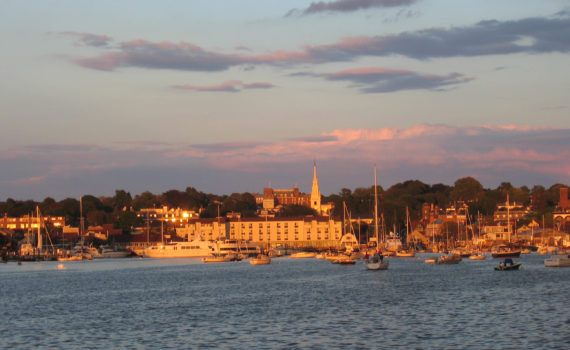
[558, 261]
[377, 266]
[194, 249]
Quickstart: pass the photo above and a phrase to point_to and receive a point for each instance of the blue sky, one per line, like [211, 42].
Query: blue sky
[229, 96]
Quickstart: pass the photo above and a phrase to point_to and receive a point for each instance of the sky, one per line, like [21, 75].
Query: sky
[234, 96]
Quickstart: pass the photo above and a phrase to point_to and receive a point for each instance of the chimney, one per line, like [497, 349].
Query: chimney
[564, 203]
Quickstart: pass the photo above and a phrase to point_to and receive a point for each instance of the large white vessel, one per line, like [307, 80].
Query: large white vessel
[191, 249]
[561, 259]
[236, 246]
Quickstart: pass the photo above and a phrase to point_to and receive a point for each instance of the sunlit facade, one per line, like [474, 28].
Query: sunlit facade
[288, 232]
[28, 222]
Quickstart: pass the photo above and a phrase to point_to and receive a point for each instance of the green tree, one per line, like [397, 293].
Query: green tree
[127, 220]
[466, 189]
[296, 210]
[122, 200]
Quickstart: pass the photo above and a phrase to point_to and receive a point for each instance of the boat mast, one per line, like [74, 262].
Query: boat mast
[40, 241]
[508, 218]
[81, 222]
[376, 210]
[407, 226]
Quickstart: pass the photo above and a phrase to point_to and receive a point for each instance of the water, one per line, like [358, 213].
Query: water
[292, 303]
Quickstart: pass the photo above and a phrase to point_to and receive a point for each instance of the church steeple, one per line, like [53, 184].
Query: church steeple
[315, 192]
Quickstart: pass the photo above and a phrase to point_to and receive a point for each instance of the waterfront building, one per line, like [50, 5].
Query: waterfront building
[299, 232]
[28, 222]
[275, 199]
[457, 212]
[430, 212]
[174, 215]
[561, 214]
[209, 229]
[509, 211]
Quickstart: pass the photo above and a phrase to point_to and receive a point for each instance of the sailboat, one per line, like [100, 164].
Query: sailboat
[506, 251]
[409, 253]
[79, 252]
[377, 261]
[261, 259]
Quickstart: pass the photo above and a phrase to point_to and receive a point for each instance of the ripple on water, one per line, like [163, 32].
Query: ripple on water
[296, 303]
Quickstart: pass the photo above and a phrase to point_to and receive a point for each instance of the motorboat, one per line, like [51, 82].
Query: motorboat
[218, 258]
[344, 260]
[192, 249]
[478, 256]
[376, 262]
[106, 252]
[431, 260]
[507, 265]
[449, 259]
[405, 253]
[261, 259]
[561, 259]
[302, 255]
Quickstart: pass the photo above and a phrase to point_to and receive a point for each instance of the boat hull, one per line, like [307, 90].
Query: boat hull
[260, 260]
[503, 255]
[377, 266]
[194, 249]
[558, 261]
[502, 267]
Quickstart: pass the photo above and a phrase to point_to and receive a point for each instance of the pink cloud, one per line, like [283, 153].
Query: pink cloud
[495, 153]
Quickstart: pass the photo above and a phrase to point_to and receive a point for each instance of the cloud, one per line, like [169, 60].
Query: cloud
[432, 153]
[89, 39]
[162, 55]
[349, 6]
[228, 86]
[530, 35]
[382, 80]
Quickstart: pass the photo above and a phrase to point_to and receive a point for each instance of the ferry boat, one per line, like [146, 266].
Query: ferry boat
[193, 249]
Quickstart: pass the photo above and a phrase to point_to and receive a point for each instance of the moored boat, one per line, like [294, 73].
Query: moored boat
[193, 249]
[217, 258]
[431, 260]
[449, 259]
[503, 251]
[561, 259]
[376, 262]
[478, 256]
[109, 253]
[405, 253]
[302, 255]
[261, 259]
[507, 265]
[236, 246]
[344, 260]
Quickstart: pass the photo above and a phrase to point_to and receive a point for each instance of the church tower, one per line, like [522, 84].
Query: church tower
[315, 192]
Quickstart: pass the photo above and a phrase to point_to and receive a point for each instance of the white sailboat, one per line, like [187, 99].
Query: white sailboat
[377, 261]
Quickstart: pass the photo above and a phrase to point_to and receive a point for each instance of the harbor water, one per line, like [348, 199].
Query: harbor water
[289, 304]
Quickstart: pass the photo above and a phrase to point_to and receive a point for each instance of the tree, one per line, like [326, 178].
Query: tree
[296, 210]
[146, 200]
[466, 189]
[122, 200]
[127, 220]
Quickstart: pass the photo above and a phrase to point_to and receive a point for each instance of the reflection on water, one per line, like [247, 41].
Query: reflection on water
[292, 303]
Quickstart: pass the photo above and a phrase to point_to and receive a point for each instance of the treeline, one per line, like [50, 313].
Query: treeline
[119, 209]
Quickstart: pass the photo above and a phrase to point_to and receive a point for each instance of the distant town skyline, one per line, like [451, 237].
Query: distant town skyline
[229, 96]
